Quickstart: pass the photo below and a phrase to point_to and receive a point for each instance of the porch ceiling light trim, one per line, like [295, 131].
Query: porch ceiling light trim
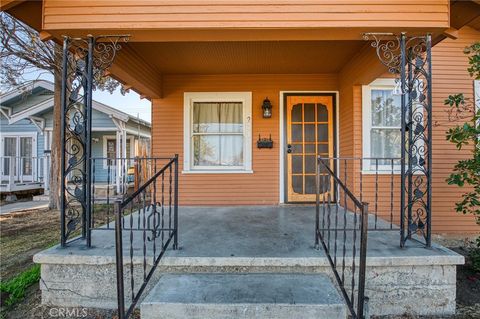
[409, 58]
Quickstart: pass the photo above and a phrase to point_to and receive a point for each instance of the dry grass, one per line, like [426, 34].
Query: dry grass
[24, 234]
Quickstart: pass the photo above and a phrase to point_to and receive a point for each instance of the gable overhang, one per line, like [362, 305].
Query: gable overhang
[218, 32]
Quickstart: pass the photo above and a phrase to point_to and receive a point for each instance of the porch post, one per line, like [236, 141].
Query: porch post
[410, 59]
[118, 160]
[83, 59]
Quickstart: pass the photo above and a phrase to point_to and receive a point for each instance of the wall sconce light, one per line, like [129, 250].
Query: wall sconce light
[267, 108]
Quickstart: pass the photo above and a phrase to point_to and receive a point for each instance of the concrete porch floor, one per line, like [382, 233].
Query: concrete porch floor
[254, 232]
[256, 239]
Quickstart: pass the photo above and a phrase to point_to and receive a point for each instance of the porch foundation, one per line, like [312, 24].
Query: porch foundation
[413, 280]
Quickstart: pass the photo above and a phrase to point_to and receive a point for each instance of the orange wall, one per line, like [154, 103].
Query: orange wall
[181, 14]
[262, 187]
[449, 77]
[449, 66]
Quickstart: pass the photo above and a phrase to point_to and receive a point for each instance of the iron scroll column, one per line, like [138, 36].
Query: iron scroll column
[84, 61]
[409, 59]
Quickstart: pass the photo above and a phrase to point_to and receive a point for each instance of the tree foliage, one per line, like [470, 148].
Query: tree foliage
[24, 56]
[22, 53]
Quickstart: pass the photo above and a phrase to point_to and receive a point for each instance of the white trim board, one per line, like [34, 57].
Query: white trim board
[282, 141]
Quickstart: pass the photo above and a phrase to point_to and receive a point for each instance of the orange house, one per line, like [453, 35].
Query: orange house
[235, 54]
[250, 94]
[282, 51]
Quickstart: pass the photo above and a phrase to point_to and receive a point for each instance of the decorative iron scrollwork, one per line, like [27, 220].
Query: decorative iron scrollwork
[409, 58]
[84, 59]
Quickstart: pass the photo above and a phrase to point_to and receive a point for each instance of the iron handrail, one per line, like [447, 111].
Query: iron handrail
[156, 231]
[361, 306]
[127, 200]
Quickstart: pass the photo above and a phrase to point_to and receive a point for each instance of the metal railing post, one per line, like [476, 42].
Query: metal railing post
[402, 143]
[62, 140]
[363, 260]
[175, 208]
[119, 259]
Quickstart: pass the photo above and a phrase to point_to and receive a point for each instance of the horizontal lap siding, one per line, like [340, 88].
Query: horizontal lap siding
[261, 187]
[450, 76]
[243, 14]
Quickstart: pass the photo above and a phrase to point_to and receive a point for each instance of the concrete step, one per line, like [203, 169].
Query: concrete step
[235, 296]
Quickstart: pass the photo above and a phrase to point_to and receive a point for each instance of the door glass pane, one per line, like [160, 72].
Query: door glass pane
[9, 149]
[297, 148]
[309, 112]
[310, 164]
[310, 148]
[26, 155]
[297, 164]
[322, 113]
[297, 113]
[322, 132]
[310, 184]
[297, 184]
[297, 135]
[309, 132]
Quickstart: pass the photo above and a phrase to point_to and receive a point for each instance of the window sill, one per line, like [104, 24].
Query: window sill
[204, 171]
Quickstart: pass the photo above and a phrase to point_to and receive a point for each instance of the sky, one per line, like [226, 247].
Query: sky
[129, 103]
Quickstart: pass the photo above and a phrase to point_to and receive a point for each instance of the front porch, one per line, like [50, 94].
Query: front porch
[254, 239]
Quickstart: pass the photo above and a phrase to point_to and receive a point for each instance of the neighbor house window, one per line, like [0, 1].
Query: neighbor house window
[110, 150]
[20, 149]
[217, 132]
[381, 125]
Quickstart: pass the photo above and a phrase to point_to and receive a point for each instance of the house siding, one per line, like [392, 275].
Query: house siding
[449, 76]
[23, 126]
[262, 187]
[175, 14]
[259, 188]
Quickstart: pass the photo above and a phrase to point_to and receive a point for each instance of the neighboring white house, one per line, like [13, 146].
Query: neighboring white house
[26, 125]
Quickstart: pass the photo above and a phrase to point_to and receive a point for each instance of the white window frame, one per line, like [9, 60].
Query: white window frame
[217, 97]
[33, 135]
[369, 165]
[114, 137]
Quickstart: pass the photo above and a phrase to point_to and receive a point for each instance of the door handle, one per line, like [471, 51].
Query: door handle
[289, 148]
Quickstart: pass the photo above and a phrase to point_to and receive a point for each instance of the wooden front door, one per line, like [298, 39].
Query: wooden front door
[309, 133]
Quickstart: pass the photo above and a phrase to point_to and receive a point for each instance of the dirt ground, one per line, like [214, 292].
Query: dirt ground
[26, 233]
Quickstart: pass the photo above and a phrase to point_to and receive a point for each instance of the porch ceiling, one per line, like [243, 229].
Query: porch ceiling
[261, 57]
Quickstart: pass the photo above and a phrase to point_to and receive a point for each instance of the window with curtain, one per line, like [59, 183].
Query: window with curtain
[217, 135]
[381, 125]
[385, 124]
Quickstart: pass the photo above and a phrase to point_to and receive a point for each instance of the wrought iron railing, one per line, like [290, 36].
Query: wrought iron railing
[25, 169]
[146, 221]
[373, 180]
[341, 228]
[115, 179]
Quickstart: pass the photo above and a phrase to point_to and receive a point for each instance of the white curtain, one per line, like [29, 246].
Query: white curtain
[224, 148]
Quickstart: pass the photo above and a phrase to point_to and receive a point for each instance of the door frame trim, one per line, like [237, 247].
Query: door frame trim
[282, 127]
